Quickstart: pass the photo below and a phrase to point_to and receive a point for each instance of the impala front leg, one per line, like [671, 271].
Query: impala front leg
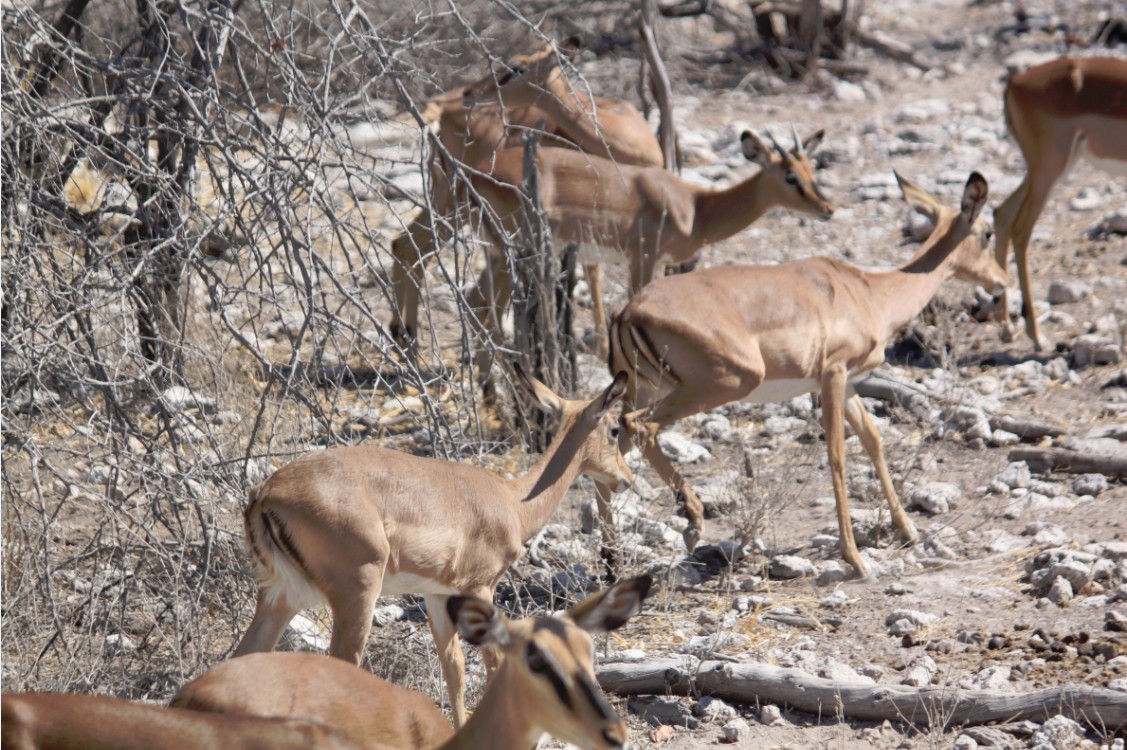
[833, 421]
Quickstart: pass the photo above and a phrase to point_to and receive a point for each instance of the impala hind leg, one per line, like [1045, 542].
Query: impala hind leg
[862, 423]
[271, 615]
[351, 599]
[450, 655]
[646, 437]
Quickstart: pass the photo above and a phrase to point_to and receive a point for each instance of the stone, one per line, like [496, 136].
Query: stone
[713, 709]
[991, 737]
[1060, 593]
[771, 715]
[786, 567]
[680, 449]
[965, 742]
[1016, 475]
[734, 731]
[936, 497]
[119, 642]
[993, 678]
[1089, 484]
[385, 615]
[662, 711]
[1067, 291]
[1093, 349]
[1058, 732]
[1088, 199]
[831, 572]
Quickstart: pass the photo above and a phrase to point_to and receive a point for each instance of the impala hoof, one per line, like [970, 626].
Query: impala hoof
[692, 538]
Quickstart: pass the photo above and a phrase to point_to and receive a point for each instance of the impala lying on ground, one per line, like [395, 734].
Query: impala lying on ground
[545, 684]
[1057, 112]
[694, 342]
[68, 721]
[471, 134]
[644, 217]
[344, 525]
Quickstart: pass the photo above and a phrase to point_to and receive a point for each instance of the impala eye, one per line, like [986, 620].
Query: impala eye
[614, 432]
[505, 78]
[792, 178]
[988, 235]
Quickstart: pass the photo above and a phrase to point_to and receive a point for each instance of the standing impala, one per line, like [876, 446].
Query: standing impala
[644, 217]
[472, 133]
[768, 333]
[1057, 112]
[545, 684]
[344, 525]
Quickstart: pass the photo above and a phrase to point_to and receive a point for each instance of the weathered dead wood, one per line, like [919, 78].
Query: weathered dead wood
[762, 683]
[1072, 462]
[1027, 429]
[802, 621]
[911, 396]
[662, 89]
[891, 48]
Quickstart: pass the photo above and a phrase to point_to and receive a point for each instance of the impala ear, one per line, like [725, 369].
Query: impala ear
[478, 621]
[754, 149]
[610, 609]
[544, 396]
[614, 393]
[974, 196]
[813, 142]
[918, 198]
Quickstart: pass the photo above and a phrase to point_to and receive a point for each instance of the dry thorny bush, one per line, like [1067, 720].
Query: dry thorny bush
[195, 289]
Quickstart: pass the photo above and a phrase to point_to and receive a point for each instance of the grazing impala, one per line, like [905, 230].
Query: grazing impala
[694, 342]
[69, 721]
[344, 525]
[644, 217]
[545, 684]
[1057, 112]
[609, 128]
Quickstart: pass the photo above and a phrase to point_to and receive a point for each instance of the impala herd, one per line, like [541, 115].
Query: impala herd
[343, 526]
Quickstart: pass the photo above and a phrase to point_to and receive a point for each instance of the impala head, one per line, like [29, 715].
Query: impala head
[790, 172]
[593, 423]
[973, 260]
[549, 662]
[523, 80]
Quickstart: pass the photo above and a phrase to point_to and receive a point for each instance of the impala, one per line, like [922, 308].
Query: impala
[470, 134]
[344, 525]
[545, 683]
[644, 217]
[1057, 112]
[694, 342]
[68, 721]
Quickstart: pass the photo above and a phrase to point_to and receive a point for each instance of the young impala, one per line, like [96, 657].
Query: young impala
[1057, 112]
[472, 132]
[694, 342]
[344, 525]
[545, 684]
[643, 217]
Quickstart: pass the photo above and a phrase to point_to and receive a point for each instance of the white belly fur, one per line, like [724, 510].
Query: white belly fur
[772, 391]
[1116, 167]
[409, 583]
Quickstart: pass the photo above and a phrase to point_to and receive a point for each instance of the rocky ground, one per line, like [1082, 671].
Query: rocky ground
[1020, 580]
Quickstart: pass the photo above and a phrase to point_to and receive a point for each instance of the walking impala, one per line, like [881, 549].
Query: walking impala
[545, 684]
[344, 525]
[471, 133]
[1057, 112]
[694, 342]
[644, 217]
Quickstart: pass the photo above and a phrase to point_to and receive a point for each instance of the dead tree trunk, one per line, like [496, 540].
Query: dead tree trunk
[544, 281]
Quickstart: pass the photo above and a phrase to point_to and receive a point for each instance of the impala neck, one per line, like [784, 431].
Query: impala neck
[901, 294]
[500, 721]
[563, 103]
[541, 490]
[720, 214]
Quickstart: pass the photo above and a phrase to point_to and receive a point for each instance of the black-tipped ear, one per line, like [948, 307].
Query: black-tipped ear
[918, 198]
[754, 149]
[974, 196]
[612, 608]
[478, 621]
[614, 392]
[813, 142]
[544, 396]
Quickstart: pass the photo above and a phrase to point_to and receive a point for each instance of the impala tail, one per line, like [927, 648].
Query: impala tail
[632, 352]
[279, 565]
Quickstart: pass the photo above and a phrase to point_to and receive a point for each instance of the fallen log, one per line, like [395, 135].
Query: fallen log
[911, 396]
[1026, 429]
[1073, 462]
[945, 705]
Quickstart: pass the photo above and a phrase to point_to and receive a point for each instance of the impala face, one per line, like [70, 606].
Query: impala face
[796, 187]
